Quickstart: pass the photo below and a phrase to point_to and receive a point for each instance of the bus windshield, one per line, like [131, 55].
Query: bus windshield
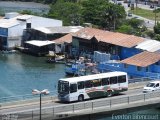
[150, 85]
[63, 87]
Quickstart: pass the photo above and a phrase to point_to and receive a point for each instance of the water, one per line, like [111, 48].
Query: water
[17, 6]
[20, 73]
[150, 114]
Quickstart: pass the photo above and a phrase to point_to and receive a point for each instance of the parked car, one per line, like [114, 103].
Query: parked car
[152, 86]
[129, 14]
[119, 3]
[151, 6]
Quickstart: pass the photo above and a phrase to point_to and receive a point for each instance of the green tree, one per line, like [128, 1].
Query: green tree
[157, 37]
[114, 16]
[125, 29]
[91, 11]
[135, 23]
[102, 13]
[157, 28]
[29, 12]
[69, 12]
[155, 17]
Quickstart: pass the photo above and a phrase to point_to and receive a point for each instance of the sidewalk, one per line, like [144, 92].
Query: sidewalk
[21, 103]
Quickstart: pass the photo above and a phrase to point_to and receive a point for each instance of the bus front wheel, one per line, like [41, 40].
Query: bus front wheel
[80, 98]
[109, 93]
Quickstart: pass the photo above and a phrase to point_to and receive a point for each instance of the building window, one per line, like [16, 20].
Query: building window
[157, 63]
[125, 65]
[139, 68]
[147, 69]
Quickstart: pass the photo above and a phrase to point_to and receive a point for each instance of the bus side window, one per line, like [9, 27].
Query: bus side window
[88, 84]
[73, 88]
[113, 80]
[81, 85]
[121, 79]
[96, 83]
[105, 81]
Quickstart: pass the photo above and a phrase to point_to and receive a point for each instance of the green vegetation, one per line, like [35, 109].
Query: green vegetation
[152, 15]
[1, 12]
[41, 1]
[133, 26]
[69, 12]
[100, 13]
[29, 12]
[149, 14]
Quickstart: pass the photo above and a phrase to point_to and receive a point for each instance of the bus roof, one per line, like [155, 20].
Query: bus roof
[94, 76]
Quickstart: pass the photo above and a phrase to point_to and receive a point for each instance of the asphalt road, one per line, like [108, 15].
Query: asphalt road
[147, 22]
[48, 104]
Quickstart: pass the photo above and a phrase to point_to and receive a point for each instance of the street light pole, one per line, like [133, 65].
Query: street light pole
[40, 95]
[155, 16]
[37, 92]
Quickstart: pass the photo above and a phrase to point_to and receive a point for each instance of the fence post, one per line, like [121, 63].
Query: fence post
[92, 105]
[53, 112]
[144, 97]
[110, 103]
[73, 108]
[128, 99]
[32, 114]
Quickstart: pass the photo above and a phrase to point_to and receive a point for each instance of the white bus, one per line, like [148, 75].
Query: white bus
[92, 86]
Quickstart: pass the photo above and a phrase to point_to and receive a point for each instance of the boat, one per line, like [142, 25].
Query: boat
[80, 67]
[56, 59]
[74, 69]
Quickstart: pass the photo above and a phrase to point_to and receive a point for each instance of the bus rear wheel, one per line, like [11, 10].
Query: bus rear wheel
[80, 98]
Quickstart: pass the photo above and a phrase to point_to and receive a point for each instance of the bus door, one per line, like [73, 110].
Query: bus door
[81, 90]
[73, 92]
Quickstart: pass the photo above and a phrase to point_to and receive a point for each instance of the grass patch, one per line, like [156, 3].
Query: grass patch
[145, 13]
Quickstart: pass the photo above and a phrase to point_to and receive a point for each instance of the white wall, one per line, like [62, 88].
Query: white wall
[15, 31]
[15, 35]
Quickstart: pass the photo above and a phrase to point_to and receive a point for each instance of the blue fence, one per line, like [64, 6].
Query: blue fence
[131, 70]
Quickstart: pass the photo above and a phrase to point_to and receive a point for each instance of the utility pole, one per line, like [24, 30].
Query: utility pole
[155, 16]
[40, 95]
[136, 5]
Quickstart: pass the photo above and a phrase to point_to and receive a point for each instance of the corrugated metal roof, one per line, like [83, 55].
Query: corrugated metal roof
[6, 23]
[40, 43]
[143, 59]
[23, 17]
[149, 45]
[44, 30]
[119, 39]
[67, 38]
[59, 29]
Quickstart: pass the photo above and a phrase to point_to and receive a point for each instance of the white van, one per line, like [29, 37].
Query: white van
[152, 86]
